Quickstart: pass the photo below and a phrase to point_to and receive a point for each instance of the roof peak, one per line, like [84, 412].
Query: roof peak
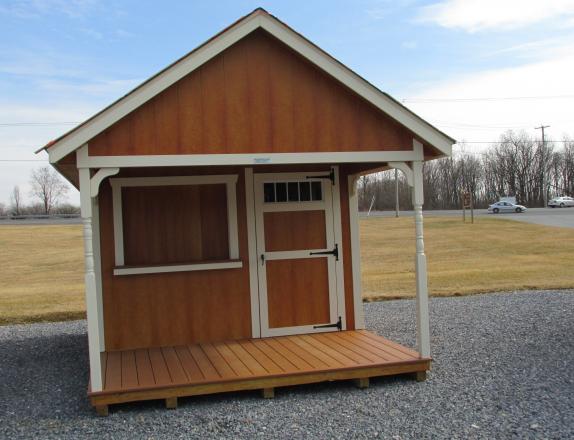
[258, 18]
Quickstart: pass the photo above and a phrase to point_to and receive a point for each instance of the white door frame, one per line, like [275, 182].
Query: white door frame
[333, 235]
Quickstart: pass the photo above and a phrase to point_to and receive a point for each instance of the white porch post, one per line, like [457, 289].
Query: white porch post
[92, 305]
[423, 328]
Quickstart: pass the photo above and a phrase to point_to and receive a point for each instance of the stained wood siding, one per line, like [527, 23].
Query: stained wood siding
[152, 310]
[258, 96]
[297, 292]
[294, 230]
[174, 224]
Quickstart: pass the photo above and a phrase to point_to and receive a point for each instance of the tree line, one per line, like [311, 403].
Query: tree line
[517, 165]
[48, 192]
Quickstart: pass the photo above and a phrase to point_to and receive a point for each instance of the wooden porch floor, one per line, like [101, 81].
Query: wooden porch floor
[171, 372]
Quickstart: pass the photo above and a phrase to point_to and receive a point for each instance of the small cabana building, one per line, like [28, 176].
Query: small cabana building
[220, 219]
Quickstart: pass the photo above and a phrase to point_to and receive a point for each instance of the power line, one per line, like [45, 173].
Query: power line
[504, 98]
[36, 124]
[508, 142]
[23, 160]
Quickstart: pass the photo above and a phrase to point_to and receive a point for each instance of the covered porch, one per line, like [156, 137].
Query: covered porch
[251, 364]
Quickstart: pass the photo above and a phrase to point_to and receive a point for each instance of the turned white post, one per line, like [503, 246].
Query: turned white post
[423, 327]
[90, 282]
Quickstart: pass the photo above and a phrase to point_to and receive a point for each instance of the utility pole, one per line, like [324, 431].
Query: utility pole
[544, 192]
[396, 192]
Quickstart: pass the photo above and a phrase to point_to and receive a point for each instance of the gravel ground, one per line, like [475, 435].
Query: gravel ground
[502, 369]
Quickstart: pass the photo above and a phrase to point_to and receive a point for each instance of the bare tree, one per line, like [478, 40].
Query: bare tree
[16, 201]
[47, 187]
[3, 210]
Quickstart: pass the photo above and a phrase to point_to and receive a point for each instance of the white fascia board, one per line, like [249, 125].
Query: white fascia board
[155, 86]
[166, 160]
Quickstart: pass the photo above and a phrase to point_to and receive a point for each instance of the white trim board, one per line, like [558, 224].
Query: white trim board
[339, 265]
[166, 160]
[257, 19]
[230, 181]
[178, 268]
[252, 251]
[355, 252]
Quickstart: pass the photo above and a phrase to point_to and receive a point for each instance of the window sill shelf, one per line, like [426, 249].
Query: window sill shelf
[212, 265]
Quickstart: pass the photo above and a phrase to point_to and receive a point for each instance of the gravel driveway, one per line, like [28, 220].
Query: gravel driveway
[503, 368]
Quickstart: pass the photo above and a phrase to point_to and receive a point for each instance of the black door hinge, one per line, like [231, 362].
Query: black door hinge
[338, 324]
[334, 252]
[330, 176]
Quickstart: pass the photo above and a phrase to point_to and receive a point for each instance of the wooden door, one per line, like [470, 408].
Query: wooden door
[297, 253]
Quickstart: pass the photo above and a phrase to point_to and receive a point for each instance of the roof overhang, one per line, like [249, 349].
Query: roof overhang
[258, 19]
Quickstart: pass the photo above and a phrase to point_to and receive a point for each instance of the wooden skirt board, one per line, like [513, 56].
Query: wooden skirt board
[168, 372]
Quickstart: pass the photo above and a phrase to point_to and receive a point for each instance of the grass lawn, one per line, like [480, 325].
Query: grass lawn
[41, 267]
[489, 255]
[41, 273]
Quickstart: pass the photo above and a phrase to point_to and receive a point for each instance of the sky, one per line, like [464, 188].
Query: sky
[473, 68]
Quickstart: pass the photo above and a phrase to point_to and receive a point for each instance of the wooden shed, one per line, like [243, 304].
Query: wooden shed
[220, 220]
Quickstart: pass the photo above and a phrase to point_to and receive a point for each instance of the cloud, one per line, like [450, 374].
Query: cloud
[122, 33]
[27, 9]
[383, 8]
[101, 87]
[478, 15]
[533, 49]
[96, 35]
[483, 120]
[41, 63]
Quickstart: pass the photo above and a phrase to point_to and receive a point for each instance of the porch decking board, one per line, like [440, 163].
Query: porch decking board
[388, 342]
[188, 363]
[207, 368]
[145, 372]
[166, 372]
[267, 362]
[345, 347]
[363, 344]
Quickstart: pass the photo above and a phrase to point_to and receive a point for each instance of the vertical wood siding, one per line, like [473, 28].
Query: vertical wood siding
[189, 307]
[258, 96]
[174, 308]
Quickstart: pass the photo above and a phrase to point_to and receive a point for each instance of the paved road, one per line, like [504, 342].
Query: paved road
[563, 217]
[41, 221]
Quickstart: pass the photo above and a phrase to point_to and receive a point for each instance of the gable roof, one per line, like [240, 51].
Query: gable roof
[259, 18]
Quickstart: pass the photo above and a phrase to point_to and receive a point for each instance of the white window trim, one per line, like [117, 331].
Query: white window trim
[230, 180]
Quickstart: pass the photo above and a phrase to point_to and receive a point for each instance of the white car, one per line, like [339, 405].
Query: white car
[561, 202]
[502, 206]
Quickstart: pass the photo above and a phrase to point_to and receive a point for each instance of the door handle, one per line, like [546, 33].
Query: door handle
[334, 252]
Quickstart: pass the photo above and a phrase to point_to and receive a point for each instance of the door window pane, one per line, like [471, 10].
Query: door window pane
[305, 191]
[316, 191]
[293, 191]
[281, 191]
[268, 192]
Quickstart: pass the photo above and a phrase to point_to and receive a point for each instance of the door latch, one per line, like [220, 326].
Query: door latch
[338, 324]
[262, 259]
[334, 252]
